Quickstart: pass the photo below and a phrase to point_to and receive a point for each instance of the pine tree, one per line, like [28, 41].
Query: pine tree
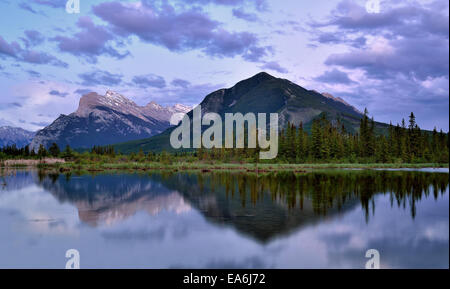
[316, 141]
[54, 150]
[68, 153]
[42, 152]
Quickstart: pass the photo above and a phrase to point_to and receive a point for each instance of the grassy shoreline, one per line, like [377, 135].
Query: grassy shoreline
[199, 166]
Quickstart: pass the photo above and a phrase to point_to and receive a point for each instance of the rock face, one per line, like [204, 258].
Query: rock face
[106, 119]
[15, 135]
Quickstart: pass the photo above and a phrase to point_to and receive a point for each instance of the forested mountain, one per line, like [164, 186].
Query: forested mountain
[264, 93]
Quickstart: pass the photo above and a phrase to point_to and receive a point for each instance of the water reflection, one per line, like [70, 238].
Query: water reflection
[262, 206]
[342, 211]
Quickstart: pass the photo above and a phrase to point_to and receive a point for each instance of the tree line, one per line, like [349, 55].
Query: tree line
[327, 141]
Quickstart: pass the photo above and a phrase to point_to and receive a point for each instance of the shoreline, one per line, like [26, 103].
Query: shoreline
[65, 167]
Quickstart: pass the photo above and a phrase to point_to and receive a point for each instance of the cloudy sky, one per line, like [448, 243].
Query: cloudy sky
[392, 62]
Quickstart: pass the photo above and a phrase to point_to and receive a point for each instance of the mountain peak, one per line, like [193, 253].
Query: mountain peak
[111, 99]
[263, 75]
[154, 105]
[106, 119]
[181, 107]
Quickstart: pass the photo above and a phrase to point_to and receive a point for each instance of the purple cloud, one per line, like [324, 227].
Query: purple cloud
[58, 93]
[272, 65]
[413, 57]
[334, 76]
[9, 49]
[149, 80]
[258, 4]
[33, 38]
[180, 83]
[90, 42]
[37, 57]
[179, 31]
[410, 19]
[405, 63]
[241, 14]
[416, 40]
[15, 51]
[27, 7]
[33, 73]
[51, 3]
[100, 77]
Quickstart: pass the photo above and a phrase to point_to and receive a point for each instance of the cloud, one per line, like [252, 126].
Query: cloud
[179, 31]
[180, 83]
[339, 38]
[58, 93]
[33, 73]
[414, 57]
[407, 19]
[189, 94]
[82, 91]
[27, 7]
[409, 39]
[38, 105]
[260, 5]
[33, 38]
[334, 76]
[149, 80]
[91, 42]
[272, 65]
[9, 105]
[15, 51]
[37, 57]
[400, 57]
[9, 49]
[51, 3]
[100, 77]
[241, 14]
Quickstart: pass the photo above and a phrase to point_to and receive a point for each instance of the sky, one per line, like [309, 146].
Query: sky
[393, 60]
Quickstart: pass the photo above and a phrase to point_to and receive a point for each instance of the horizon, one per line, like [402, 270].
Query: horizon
[393, 62]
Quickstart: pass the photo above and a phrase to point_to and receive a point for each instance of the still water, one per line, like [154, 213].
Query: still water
[323, 219]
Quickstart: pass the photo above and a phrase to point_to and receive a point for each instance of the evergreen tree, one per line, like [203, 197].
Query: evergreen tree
[54, 150]
[42, 152]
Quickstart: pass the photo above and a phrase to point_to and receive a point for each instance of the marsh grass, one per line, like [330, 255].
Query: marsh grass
[207, 167]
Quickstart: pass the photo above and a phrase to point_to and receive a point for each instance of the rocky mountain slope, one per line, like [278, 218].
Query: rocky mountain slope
[106, 119]
[15, 135]
[264, 93]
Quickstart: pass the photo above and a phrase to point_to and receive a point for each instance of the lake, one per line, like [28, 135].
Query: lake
[319, 219]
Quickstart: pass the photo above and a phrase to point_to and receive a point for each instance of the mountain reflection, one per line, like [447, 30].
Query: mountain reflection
[107, 199]
[261, 206]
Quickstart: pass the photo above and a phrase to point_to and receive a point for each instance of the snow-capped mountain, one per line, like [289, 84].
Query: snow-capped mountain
[106, 119]
[15, 135]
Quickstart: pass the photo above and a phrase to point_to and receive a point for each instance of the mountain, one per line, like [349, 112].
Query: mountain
[106, 119]
[15, 135]
[264, 93]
